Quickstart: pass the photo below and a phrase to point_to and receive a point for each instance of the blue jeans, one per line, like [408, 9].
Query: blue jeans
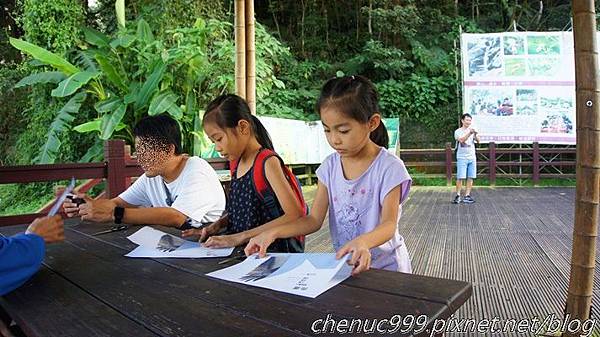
[466, 168]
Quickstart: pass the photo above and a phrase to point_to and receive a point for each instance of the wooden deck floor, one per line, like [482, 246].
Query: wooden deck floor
[513, 245]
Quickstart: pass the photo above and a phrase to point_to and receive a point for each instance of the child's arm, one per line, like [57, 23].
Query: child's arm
[359, 247]
[287, 200]
[208, 231]
[302, 226]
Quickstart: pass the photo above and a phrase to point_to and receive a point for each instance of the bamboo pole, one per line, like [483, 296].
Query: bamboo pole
[240, 48]
[250, 57]
[587, 193]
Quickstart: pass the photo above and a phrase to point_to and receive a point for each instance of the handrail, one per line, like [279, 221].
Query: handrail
[493, 159]
[117, 170]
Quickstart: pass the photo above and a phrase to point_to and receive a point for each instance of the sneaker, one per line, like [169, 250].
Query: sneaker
[468, 200]
[457, 199]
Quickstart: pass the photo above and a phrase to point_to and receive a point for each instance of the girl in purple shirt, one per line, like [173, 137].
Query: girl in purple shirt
[361, 185]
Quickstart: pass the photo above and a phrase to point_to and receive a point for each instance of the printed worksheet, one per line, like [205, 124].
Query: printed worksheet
[306, 274]
[156, 244]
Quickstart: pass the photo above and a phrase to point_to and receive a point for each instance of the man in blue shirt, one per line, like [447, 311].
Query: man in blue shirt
[21, 255]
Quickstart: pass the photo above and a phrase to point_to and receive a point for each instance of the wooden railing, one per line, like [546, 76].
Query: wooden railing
[119, 167]
[117, 171]
[494, 162]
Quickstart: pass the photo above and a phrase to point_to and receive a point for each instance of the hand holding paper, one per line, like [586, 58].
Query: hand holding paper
[155, 243]
[223, 241]
[205, 232]
[259, 244]
[361, 255]
[62, 198]
[49, 228]
[301, 274]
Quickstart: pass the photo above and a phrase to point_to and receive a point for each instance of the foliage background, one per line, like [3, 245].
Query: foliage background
[408, 48]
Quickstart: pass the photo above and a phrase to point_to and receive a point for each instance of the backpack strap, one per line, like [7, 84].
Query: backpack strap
[264, 189]
[261, 185]
[267, 195]
[233, 168]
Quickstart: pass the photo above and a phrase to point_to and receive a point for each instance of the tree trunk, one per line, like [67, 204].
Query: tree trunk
[357, 19]
[455, 8]
[302, 29]
[587, 193]
[272, 8]
[370, 22]
[539, 15]
[324, 6]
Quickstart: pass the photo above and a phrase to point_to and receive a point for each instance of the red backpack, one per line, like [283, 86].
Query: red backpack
[265, 191]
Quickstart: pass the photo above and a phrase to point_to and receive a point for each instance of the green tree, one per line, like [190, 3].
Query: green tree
[135, 74]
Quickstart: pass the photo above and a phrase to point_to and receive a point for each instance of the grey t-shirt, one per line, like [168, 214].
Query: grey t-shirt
[465, 150]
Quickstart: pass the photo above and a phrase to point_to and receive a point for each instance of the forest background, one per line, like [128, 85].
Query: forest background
[174, 56]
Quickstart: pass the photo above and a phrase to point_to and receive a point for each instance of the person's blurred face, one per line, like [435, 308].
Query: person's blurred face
[152, 155]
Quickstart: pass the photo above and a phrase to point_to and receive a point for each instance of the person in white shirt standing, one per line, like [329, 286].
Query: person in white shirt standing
[466, 161]
[176, 190]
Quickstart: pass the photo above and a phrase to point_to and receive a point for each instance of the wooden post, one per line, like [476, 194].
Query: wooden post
[492, 164]
[449, 164]
[250, 57]
[536, 164]
[240, 48]
[587, 192]
[114, 152]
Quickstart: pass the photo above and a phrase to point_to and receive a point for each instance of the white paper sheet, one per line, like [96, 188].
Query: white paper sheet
[306, 275]
[155, 243]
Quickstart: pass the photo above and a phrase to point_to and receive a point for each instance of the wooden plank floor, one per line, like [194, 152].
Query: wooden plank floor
[513, 245]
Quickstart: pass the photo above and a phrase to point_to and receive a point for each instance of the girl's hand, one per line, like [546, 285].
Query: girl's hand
[224, 241]
[203, 233]
[259, 244]
[361, 255]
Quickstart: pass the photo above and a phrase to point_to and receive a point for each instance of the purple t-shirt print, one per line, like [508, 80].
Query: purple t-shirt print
[355, 205]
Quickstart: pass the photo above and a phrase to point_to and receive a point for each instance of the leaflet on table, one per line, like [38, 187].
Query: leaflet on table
[305, 274]
[156, 244]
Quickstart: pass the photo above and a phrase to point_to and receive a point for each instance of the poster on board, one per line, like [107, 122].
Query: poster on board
[520, 86]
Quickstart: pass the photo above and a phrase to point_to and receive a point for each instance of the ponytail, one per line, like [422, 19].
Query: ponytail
[380, 136]
[261, 134]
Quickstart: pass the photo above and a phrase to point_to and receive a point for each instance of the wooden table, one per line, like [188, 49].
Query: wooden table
[86, 287]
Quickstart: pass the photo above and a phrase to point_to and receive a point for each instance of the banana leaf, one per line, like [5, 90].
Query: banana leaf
[40, 78]
[70, 85]
[45, 56]
[110, 121]
[63, 119]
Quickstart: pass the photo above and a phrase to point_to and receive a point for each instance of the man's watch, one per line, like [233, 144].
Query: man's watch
[118, 214]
